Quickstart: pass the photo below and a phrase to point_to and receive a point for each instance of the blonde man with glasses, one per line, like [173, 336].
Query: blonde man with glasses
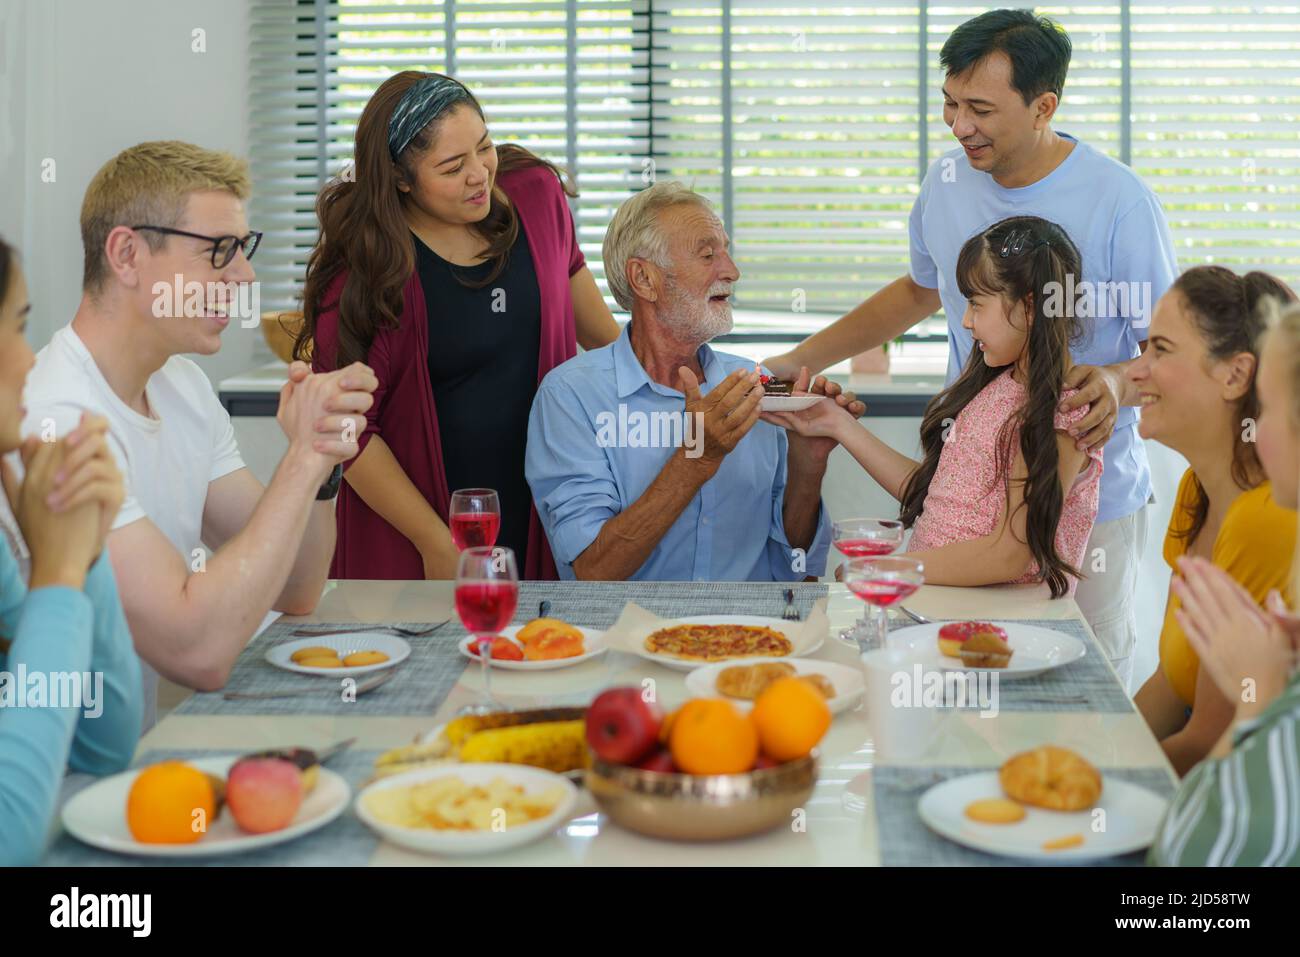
[201, 550]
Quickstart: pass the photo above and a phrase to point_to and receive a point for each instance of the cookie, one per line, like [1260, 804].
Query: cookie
[995, 811]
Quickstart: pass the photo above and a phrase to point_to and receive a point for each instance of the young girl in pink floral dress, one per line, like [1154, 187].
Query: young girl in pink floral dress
[1002, 494]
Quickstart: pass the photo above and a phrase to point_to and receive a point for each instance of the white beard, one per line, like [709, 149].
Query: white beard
[695, 320]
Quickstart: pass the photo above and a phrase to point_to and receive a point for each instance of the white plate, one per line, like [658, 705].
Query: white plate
[678, 664]
[1132, 815]
[396, 649]
[788, 403]
[1036, 649]
[849, 683]
[428, 840]
[592, 639]
[97, 816]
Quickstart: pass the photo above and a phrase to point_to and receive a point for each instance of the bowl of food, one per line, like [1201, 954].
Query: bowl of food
[466, 809]
[706, 771]
[701, 807]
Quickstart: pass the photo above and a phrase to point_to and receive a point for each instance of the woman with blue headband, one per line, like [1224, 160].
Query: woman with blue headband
[452, 268]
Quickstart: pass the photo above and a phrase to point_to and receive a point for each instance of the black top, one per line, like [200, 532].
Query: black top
[483, 354]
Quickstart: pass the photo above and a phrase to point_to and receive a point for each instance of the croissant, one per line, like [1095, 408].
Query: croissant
[1051, 777]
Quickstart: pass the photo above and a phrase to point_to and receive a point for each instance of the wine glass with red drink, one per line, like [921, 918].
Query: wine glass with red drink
[881, 582]
[474, 517]
[487, 591]
[865, 538]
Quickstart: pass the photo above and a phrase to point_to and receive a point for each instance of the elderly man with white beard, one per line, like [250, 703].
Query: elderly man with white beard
[646, 458]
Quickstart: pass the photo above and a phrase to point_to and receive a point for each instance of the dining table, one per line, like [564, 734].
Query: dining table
[862, 808]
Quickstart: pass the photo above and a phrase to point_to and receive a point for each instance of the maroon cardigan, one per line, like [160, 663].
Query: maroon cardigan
[403, 411]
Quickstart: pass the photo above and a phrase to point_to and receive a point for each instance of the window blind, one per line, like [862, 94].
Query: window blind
[809, 124]
[561, 77]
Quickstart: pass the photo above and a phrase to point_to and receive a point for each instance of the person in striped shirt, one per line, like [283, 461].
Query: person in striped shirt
[1241, 806]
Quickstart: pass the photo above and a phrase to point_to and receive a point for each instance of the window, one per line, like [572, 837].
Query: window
[809, 124]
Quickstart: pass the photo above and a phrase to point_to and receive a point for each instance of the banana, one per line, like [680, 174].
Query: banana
[459, 730]
[554, 745]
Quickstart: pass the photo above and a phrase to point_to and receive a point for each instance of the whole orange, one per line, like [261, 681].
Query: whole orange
[791, 716]
[170, 803]
[710, 736]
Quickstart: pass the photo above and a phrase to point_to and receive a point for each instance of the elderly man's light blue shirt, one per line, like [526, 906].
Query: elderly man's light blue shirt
[599, 433]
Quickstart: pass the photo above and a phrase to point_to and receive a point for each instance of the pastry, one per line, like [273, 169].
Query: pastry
[359, 658]
[540, 628]
[552, 645]
[748, 681]
[985, 650]
[315, 651]
[954, 634]
[995, 811]
[1050, 777]
[821, 683]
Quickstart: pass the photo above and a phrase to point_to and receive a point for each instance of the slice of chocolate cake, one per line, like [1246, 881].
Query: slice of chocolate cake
[774, 386]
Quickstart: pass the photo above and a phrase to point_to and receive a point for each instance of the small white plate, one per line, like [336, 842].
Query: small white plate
[788, 403]
[396, 649]
[680, 664]
[429, 841]
[592, 639]
[849, 683]
[1036, 649]
[97, 816]
[1131, 816]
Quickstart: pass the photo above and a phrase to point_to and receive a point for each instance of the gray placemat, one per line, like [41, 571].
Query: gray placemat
[905, 841]
[598, 604]
[1088, 677]
[421, 684]
[344, 842]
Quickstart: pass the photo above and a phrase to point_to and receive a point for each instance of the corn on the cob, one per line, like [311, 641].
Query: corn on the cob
[459, 730]
[554, 745]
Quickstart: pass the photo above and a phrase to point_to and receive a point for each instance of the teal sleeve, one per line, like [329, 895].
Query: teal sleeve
[51, 635]
[108, 731]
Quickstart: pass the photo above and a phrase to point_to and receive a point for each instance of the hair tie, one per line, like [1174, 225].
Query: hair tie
[422, 103]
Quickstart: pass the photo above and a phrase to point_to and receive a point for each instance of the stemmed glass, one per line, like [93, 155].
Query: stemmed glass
[474, 517]
[487, 591]
[881, 582]
[865, 538]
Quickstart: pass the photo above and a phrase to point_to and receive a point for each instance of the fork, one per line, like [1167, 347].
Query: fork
[791, 613]
[919, 619]
[361, 626]
[370, 684]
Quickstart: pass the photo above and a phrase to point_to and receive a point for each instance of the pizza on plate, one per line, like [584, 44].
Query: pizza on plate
[718, 642]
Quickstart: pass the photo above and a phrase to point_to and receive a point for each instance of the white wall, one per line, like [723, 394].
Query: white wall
[81, 80]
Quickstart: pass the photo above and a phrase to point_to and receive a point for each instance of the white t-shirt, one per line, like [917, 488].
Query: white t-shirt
[167, 461]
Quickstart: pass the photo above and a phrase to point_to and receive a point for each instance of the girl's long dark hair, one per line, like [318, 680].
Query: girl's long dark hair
[1027, 260]
[1226, 309]
[363, 228]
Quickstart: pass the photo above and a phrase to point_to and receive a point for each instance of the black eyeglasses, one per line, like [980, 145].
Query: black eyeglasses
[223, 247]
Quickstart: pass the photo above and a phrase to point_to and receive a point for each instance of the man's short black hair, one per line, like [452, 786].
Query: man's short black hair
[1039, 49]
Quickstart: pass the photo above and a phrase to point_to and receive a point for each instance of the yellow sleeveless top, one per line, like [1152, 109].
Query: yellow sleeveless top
[1255, 545]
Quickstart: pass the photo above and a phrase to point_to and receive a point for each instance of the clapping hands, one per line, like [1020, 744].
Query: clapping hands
[1247, 651]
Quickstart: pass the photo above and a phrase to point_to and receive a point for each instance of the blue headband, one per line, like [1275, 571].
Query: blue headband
[425, 100]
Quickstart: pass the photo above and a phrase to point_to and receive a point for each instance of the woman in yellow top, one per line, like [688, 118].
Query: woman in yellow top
[1196, 380]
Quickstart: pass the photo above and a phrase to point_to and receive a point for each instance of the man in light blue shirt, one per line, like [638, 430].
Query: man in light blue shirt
[1005, 74]
[646, 458]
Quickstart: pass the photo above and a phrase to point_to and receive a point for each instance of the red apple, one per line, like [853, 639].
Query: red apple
[660, 759]
[264, 794]
[764, 762]
[622, 727]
